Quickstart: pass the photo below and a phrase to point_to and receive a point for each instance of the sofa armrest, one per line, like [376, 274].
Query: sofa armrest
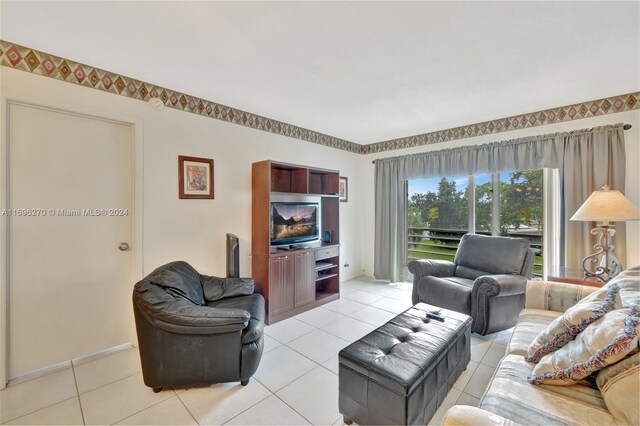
[216, 288]
[462, 415]
[437, 268]
[554, 296]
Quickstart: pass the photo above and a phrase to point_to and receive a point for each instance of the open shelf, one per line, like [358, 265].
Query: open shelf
[325, 277]
[323, 182]
[294, 179]
[321, 266]
[289, 179]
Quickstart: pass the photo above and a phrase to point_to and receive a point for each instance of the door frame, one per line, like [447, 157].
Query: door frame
[91, 112]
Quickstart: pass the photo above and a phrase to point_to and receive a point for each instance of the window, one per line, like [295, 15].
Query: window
[441, 210]
[484, 203]
[438, 212]
[439, 203]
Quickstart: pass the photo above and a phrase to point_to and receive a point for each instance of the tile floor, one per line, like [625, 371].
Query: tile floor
[296, 382]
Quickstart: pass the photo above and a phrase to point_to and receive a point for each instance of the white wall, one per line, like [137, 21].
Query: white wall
[194, 230]
[170, 228]
[632, 138]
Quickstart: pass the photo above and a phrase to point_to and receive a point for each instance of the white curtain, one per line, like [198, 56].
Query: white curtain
[585, 158]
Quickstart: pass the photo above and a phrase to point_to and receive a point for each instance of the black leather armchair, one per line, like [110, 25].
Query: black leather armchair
[486, 280]
[196, 329]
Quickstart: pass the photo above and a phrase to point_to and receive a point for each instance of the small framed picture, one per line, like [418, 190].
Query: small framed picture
[195, 177]
[343, 189]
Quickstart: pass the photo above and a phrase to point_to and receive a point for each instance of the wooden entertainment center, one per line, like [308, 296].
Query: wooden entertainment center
[307, 276]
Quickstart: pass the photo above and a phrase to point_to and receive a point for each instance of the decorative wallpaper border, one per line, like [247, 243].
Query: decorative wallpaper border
[603, 106]
[36, 62]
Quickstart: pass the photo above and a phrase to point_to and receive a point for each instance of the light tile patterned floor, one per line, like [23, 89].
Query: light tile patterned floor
[296, 382]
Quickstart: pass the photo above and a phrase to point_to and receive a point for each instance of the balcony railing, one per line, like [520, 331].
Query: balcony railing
[433, 243]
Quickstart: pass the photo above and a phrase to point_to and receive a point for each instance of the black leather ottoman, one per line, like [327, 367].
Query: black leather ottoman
[401, 372]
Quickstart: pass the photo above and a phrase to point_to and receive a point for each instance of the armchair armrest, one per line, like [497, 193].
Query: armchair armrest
[437, 268]
[489, 316]
[426, 267]
[554, 296]
[216, 288]
[499, 285]
[462, 415]
[182, 317]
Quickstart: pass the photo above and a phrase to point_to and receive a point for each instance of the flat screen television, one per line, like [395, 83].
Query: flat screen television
[293, 223]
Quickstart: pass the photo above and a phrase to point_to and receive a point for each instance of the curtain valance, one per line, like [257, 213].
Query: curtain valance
[586, 159]
[529, 153]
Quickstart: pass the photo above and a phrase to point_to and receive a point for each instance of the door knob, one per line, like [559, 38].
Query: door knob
[123, 246]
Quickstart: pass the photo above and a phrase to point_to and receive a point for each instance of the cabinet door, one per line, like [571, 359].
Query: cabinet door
[305, 274]
[280, 284]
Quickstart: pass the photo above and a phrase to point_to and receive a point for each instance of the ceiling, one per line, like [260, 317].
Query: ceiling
[360, 71]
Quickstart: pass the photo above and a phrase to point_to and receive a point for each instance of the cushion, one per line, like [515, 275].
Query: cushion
[554, 296]
[180, 280]
[619, 384]
[495, 255]
[530, 323]
[446, 292]
[575, 319]
[216, 288]
[629, 283]
[605, 342]
[511, 396]
[469, 273]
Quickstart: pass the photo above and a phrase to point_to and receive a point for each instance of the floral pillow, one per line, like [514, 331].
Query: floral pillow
[603, 343]
[564, 328]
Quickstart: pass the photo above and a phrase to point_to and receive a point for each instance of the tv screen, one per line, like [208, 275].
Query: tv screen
[293, 223]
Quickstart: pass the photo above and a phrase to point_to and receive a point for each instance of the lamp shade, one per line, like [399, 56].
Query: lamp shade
[607, 205]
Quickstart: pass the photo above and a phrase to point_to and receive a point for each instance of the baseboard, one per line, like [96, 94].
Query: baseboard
[66, 364]
[101, 354]
[39, 372]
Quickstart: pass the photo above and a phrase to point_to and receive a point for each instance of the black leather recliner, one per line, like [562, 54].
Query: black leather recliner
[196, 329]
[487, 280]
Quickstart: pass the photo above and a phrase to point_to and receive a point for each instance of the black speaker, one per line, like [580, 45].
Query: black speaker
[233, 256]
[327, 236]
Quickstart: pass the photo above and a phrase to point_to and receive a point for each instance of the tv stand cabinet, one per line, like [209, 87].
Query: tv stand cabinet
[306, 276]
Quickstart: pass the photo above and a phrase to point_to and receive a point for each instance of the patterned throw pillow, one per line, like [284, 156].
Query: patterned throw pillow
[629, 283]
[603, 343]
[565, 328]
[619, 385]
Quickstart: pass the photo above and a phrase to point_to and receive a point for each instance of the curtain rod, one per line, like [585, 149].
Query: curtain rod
[625, 127]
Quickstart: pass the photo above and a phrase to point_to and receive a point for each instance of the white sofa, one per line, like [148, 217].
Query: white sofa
[510, 398]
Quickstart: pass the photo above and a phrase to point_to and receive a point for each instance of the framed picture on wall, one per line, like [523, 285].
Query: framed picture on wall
[195, 177]
[343, 189]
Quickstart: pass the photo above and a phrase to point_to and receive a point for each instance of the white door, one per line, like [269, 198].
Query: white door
[70, 199]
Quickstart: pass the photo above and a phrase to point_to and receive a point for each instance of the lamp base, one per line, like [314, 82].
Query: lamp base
[602, 264]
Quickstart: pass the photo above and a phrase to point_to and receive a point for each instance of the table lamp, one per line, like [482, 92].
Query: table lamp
[607, 206]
